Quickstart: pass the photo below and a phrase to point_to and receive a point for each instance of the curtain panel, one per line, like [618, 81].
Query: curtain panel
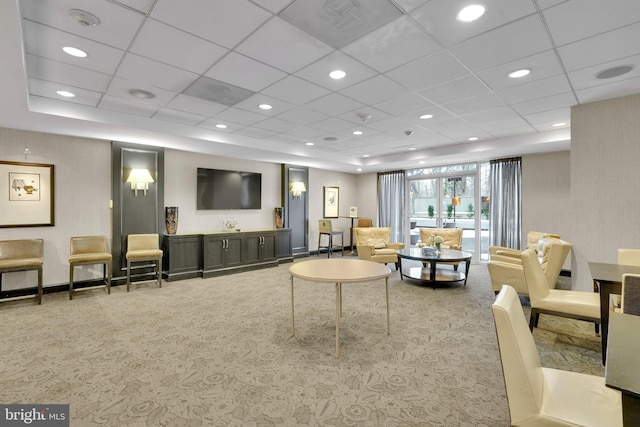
[506, 202]
[391, 203]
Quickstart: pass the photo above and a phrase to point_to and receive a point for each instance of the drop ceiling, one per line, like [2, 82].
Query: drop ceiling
[168, 73]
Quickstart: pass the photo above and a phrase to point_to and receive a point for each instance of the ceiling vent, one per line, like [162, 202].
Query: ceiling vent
[217, 91]
[84, 18]
[610, 73]
[338, 23]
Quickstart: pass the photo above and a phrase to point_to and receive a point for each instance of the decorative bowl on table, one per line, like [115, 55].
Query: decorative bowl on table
[230, 224]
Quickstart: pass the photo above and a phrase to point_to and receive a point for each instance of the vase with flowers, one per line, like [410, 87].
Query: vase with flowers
[436, 241]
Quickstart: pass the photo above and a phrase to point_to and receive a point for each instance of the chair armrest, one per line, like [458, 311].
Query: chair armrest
[365, 251]
[456, 247]
[395, 246]
[509, 274]
[508, 259]
[502, 250]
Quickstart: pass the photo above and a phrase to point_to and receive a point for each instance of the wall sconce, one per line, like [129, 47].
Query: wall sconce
[140, 179]
[297, 188]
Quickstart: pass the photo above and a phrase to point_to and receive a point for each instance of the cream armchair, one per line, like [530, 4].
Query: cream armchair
[452, 237]
[502, 253]
[551, 254]
[374, 244]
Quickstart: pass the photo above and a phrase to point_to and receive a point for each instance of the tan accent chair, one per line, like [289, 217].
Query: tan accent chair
[541, 396]
[572, 304]
[144, 247]
[452, 237]
[23, 255]
[373, 244]
[551, 254]
[86, 250]
[325, 228]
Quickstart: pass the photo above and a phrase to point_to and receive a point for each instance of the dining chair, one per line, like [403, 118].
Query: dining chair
[630, 301]
[89, 250]
[144, 247]
[325, 228]
[540, 396]
[558, 302]
[626, 256]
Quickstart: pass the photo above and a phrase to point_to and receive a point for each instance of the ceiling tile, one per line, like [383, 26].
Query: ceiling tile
[611, 90]
[48, 42]
[176, 116]
[433, 70]
[303, 116]
[454, 90]
[586, 77]
[122, 105]
[118, 25]
[318, 72]
[595, 16]
[136, 68]
[224, 22]
[276, 125]
[404, 104]
[295, 90]
[374, 90]
[334, 104]
[512, 41]
[273, 6]
[283, 46]
[543, 64]
[166, 44]
[193, 105]
[252, 104]
[548, 103]
[559, 115]
[601, 48]
[239, 116]
[245, 72]
[58, 72]
[120, 88]
[395, 44]
[535, 89]
[439, 17]
[48, 90]
[487, 101]
[332, 124]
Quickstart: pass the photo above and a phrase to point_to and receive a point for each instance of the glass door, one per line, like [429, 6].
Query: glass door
[424, 209]
[459, 206]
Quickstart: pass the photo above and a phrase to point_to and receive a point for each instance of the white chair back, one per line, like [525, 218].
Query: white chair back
[534, 277]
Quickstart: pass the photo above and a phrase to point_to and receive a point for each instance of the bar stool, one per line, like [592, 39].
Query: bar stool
[325, 228]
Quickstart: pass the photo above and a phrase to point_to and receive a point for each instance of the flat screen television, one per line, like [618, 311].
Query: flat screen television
[223, 189]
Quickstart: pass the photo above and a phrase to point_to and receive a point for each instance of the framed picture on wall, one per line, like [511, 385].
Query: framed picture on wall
[331, 200]
[26, 194]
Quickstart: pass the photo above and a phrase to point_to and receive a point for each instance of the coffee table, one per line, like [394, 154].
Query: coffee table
[339, 271]
[432, 274]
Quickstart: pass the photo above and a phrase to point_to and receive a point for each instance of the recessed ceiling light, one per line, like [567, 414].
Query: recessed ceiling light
[357, 132]
[337, 74]
[359, 169]
[421, 162]
[610, 73]
[309, 143]
[426, 116]
[473, 138]
[331, 139]
[366, 155]
[142, 94]
[412, 148]
[74, 51]
[65, 93]
[555, 125]
[84, 18]
[265, 107]
[471, 13]
[519, 73]
[221, 126]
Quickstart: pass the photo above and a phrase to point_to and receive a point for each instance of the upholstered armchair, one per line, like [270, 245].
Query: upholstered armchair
[452, 237]
[374, 244]
[551, 254]
[502, 253]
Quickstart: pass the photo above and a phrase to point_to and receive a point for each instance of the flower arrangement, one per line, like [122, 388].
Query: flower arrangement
[436, 240]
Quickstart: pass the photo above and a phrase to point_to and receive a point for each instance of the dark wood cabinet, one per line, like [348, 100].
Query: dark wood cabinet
[215, 254]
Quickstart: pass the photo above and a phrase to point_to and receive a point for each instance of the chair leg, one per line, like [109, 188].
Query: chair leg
[533, 319]
[159, 271]
[330, 248]
[107, 266]
[128, 274]
[319, 241]
[40, 290]
[70, 281]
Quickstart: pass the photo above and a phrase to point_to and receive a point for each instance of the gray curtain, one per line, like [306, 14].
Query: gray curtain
[506, 202]
[391, 203]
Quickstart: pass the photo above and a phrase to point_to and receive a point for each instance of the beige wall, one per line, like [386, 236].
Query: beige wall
[605, 148]
[82, 171]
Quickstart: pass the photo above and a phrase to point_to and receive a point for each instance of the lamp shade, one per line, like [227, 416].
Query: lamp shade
[298, 187]
[455, 201]
[140, 175]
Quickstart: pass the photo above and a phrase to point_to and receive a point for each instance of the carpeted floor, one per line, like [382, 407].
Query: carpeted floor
[219, 352]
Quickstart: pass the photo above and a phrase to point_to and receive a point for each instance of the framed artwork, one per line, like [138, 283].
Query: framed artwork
[26, 194]
[331, 200]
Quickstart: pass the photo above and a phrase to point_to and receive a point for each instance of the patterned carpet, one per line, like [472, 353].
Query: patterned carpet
[219, 352]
